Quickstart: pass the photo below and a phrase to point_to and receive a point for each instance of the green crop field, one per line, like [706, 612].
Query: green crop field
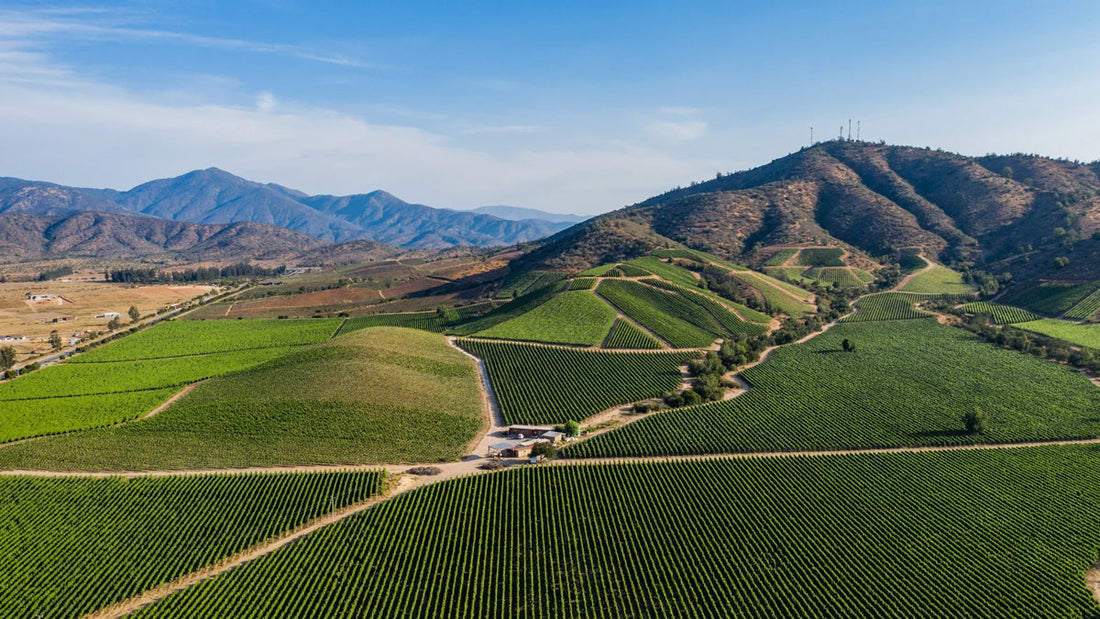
[26, 418]
[1053, 299]
[632, 270]
[1072, 332]
[821, 257]
[675, 319]
[698, 256]
[707, 299]
[1004, 534]
[1086, 308]
[626, 335]
[180, 338]
[507, 311]
[544, 384]
[781, 257]
[583, 283]
[1000, 314]
[425, 321]
[578, 317]
[715, 308]
[907, 384]
[794, 274]
[519, 284]
[938, 280]
[598, 271]
[794, 304]
[375, 395]
[888, 306]
[71, 546]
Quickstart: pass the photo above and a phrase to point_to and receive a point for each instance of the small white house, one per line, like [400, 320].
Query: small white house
[41, 297]
[109, 315]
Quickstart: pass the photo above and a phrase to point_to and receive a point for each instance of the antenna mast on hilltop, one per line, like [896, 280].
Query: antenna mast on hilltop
[859, 123]
[811, 135]
[841, 137]
[849, 129]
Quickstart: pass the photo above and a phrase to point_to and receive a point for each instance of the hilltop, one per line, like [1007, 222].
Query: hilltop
[1012, 213]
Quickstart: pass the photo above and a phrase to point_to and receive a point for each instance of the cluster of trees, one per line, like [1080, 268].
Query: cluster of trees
[709, 372]
[201, 274]
[54, 273]
[7, 361]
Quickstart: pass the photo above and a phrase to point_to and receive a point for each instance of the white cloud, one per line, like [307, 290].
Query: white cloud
[265, 101]
[683, 130]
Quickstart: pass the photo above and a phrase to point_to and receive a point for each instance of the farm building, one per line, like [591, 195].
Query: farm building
[13, 338]
[553, 436]
[109, 315]
[518, 450]
[41, 297]
[528, 431]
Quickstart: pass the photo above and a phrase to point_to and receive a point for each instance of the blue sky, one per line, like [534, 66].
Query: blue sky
[567, 106]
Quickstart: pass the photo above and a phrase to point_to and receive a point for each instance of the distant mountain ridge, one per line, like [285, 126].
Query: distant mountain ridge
[214, 196]
[1012, 213]
[517, 213]
[113, 236]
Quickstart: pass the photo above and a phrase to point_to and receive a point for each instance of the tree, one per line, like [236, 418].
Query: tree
[848, 345]
[572, 428]
[114, 323]
[134, 313]
[7, 357]
[975, 420]
[544, 448]
[55, 340]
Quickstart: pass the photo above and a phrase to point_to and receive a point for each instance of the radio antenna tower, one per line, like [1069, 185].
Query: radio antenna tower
[811, 135]
[849, 129]
[859, 124]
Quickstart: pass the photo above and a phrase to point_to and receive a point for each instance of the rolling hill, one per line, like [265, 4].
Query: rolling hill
[1014, 213]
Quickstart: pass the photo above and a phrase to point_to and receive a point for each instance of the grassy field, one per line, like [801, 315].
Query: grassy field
[821, 257]
[180, 338]
[993, 534]
[71, 546]
[577, 317]
[907, 384]
[375, 395]
[938, 280]
[1072, 332]
[544, 384]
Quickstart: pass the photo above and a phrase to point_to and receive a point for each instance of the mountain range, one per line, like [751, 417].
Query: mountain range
[213, 196]
[1015, 214]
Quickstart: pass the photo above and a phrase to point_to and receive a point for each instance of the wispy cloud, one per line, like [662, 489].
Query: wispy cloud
[33, 28]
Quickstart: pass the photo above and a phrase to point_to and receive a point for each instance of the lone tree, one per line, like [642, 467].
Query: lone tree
[134, 313]
[848, 345]
[975, 421]
[572, 428]
[544, 448]
[55, 340]
[114, 324]
[7, 357]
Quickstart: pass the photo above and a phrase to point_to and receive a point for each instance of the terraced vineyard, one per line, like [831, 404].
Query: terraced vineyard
[907, 384]
[889, 306]
[717, 309]
[425, 321]
[517, 285]
[671, 272]
[1000, 314]
[578, 317]
[379, 395]
[71, 546]
[544, 384]
[626, 335]
[845, 277]
[1053, 299]
[787, 298]
[678, 321]
[997, 533]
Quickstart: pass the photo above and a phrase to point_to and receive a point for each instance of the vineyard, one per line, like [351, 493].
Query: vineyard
[1054, 299]
[507, 311]
[889, 306]
[71, 546]
[705, 299]
[787, 298]
[781, 257]
[1086, 308]
[583, 283]
[375, 395]
[907, 384]
[821, 257]
[995, 533]
[626, 335]
[543, 384]
[671, 272]
[181, 338]
[843, 277]
[1072, 332]
[676, 320]
[1000, 314]
[578, 317]
[517, 285]
[425, 321]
